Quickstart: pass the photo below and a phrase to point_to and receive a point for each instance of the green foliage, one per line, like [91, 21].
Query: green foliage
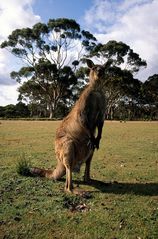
[120, 53]
[23, 167]
[10, 110]
[22, 110]
[150, 89]
[13, 111]
[69, 27]
[2, 111]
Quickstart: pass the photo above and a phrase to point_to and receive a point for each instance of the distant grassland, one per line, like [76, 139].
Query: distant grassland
[122, 202]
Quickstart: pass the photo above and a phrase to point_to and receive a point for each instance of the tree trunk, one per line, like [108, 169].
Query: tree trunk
[51, 111]
[108, 113]
[112, 113]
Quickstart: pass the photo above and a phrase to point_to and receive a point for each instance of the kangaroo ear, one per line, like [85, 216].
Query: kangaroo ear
[90, 63]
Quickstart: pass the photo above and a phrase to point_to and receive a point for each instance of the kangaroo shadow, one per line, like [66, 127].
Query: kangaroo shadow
[144, 189]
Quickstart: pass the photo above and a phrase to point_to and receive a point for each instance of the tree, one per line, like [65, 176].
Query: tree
[10, 111]
[150, 89]
[2, 111]
[52, 87]
[22, 110]
[120, 84]
[37, 103]
[150, 96]
[120, 53]
[48, 50]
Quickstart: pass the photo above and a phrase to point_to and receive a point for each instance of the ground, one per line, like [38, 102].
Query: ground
[121, 202]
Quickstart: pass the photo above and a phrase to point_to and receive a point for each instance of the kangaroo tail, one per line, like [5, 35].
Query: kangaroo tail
[40, 172]
[55, 174]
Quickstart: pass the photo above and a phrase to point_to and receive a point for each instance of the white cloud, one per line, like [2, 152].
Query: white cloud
[133, 22]
[16, 14]
[101, 11]
[8, 94]
[13, 14]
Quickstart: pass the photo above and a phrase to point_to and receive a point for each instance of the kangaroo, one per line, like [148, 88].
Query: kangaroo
[76, 137]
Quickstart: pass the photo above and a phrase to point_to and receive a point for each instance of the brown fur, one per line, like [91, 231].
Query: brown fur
[75, 140]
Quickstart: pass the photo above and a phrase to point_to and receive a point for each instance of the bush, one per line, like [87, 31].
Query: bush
[23, 167]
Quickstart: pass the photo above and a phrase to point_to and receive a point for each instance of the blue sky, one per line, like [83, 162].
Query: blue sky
[134, 22]
[61, 8]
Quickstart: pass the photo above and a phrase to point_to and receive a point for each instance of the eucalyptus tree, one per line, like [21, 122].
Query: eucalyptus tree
[48, 51]
[150, 89]
[150, 96]
[120, 84]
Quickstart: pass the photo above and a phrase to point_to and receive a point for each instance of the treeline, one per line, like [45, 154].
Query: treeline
[125, 109]
[22, 110]
[14, 111]
[54, 73]
[122, 112]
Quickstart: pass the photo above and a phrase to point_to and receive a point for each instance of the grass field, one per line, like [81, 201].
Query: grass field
[122, 202]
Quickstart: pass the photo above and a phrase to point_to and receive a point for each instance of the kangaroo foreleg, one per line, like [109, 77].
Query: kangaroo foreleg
[97, 140]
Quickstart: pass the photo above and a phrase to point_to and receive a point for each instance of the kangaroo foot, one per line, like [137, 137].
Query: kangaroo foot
[68, 189]
[76, 191]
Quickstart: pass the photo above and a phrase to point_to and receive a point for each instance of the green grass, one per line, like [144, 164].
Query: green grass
[121, 203]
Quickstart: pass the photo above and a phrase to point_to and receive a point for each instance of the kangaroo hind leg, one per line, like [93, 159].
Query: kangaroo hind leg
[68, 183]
[68, 160]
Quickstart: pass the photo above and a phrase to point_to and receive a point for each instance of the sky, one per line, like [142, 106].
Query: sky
[135, 22]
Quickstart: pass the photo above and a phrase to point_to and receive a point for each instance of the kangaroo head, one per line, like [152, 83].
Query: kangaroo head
[97, 72]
